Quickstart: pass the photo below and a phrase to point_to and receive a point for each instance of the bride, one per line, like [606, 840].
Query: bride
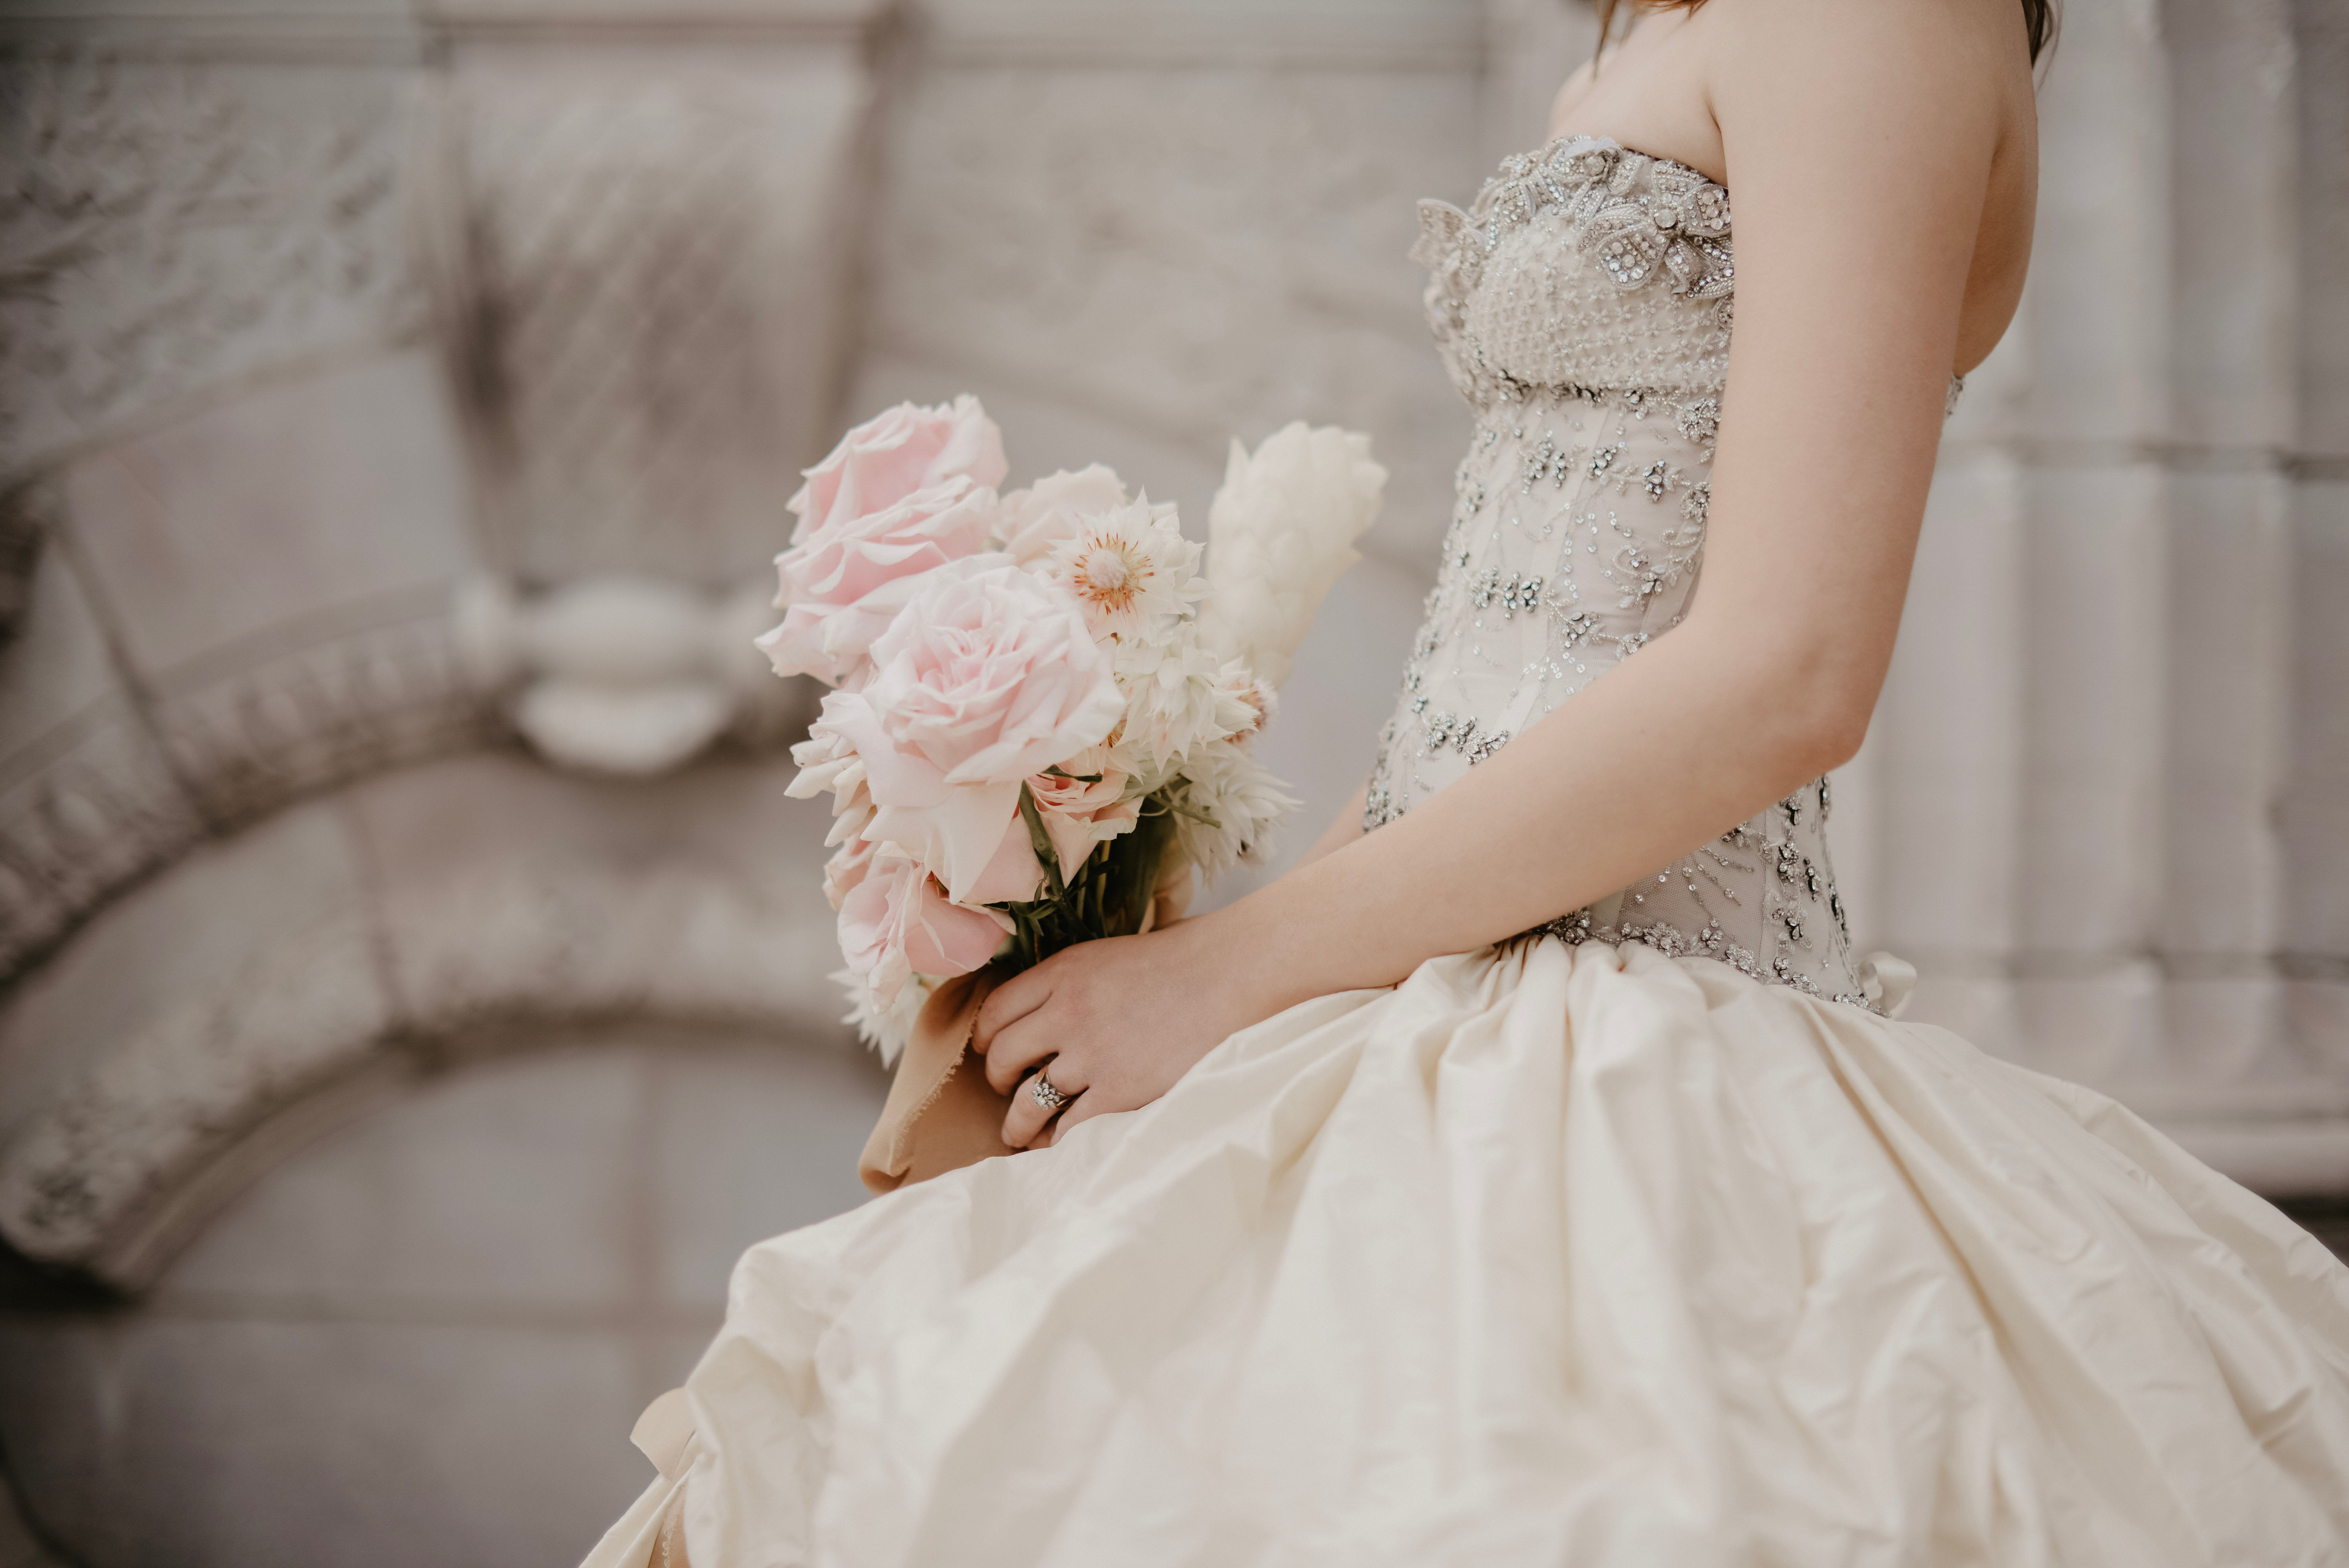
[1392, 1215]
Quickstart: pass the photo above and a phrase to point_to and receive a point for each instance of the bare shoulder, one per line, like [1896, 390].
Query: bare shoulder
[1922, 112]
[1894, 80]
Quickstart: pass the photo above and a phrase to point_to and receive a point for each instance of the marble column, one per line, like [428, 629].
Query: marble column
[2105, 783]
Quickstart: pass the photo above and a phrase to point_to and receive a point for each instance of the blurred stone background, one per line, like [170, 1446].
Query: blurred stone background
[413, 971]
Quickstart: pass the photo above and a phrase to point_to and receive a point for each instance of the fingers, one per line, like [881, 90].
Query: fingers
[1025, 1123]
[1018, 1047]
[1008, 1004]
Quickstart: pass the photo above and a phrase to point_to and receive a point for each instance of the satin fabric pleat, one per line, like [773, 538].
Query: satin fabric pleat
[1548, 1255]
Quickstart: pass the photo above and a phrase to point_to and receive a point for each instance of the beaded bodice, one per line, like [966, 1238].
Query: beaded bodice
[1583, 307]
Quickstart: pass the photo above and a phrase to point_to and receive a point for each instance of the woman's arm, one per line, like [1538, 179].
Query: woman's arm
[1860, 137]
[1344, 830]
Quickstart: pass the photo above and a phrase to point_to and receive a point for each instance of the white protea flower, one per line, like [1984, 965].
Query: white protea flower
[1280, 533]
[1030, 521]
[885, 1028]
[1245, 702]
[1226, 808]
[1174, 703]
[1132, 569]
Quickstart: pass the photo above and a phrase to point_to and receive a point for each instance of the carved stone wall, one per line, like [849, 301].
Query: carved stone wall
[177, 219]
[307, 952]
[1138, 234]
[310, 315]
[649, 271]
[234, 497]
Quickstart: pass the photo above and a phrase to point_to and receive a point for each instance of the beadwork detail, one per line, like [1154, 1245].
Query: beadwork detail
[1641, 218]
[1583, 305]
[1583, 266]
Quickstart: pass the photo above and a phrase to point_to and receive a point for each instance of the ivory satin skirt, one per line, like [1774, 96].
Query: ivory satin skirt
[1548, 1255]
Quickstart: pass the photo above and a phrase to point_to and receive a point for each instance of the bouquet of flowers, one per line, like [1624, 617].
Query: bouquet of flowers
[1043, 704]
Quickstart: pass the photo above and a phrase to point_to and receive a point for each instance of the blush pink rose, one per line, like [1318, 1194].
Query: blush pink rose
[1014, 875]
[828, 762]
[1078, 815]
[893, 454]
[845, 872]
[988, 676]
[896, 921]
[846, 580]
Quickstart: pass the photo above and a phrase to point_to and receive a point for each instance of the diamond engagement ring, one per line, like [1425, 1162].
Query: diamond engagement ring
[1040, 1091]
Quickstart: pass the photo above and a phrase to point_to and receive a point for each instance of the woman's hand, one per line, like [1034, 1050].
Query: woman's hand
[1115, 1022]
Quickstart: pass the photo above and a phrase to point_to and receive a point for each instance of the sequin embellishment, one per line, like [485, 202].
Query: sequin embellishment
[1583, 305]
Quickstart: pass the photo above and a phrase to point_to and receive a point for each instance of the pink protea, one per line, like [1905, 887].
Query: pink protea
[1082, 803]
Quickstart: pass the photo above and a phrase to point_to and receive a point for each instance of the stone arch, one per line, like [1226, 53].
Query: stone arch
[286, 977]
[438, 1320]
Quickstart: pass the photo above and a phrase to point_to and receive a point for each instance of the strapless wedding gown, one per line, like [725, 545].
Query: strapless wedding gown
[1648, 1238]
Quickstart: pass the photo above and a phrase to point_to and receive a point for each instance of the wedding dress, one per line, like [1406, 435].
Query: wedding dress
[1647, 1238]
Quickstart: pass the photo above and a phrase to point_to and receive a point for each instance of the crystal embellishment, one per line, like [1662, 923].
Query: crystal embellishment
[1583, 306]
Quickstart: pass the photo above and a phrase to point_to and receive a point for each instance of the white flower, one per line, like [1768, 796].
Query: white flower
[1030, 521]
[885, 1026]
[1281, 531]
[1173, 703]
[1244, 701]
[1226, 809]
[1132, 569]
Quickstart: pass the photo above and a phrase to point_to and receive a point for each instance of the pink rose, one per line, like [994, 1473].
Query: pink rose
[986, 676]
[845, 581]
[828, 762]
[896, 921]
[1048, 512]
[893, 454]
[845, 872]
[1014, 875]
[1078, 815]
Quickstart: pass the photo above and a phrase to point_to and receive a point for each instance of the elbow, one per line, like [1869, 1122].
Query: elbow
[1823, 728]
[1813, 690]
[1832, 737]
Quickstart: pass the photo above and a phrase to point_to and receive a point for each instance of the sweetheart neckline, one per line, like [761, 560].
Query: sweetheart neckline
[1546, 150]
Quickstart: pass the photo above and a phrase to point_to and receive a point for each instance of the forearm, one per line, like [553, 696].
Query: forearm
[1344, 830]
[1663, 754]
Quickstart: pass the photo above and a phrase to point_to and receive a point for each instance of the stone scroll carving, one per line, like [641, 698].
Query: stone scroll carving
[173, 223]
